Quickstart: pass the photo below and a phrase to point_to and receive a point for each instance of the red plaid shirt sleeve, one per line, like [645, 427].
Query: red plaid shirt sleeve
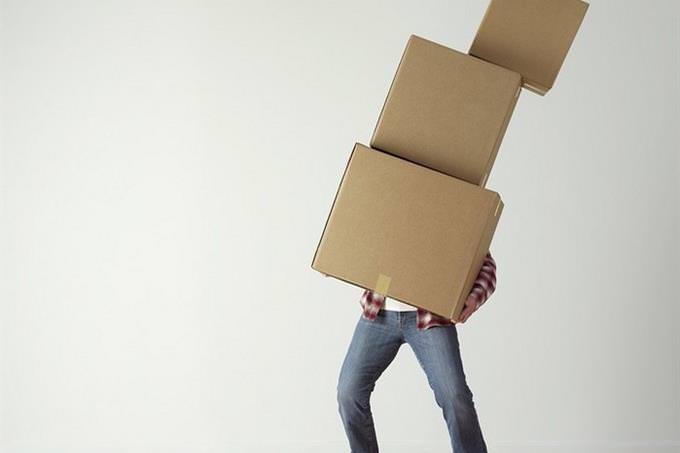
[485, 284]
[482, 288]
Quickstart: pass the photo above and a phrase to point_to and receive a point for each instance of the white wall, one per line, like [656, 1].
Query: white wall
[167, 169]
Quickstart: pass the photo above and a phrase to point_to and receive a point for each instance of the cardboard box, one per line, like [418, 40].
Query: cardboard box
[447, 110]
[414, 234]
[531, 37]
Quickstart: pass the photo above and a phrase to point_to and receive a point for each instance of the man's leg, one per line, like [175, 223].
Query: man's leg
[438, 353]
[373, 347]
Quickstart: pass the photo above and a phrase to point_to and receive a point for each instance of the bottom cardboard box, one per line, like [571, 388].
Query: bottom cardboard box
[414, 234]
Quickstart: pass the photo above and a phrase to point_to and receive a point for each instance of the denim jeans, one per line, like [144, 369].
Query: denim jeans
[373, 346]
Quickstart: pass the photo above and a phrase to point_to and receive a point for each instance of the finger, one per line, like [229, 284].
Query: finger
[469, 309]
[465, 316]
[462, 316]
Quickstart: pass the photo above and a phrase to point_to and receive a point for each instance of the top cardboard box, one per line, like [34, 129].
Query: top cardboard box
[531, 37]
[447, 111]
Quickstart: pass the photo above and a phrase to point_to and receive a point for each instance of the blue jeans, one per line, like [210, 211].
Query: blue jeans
[373, 346]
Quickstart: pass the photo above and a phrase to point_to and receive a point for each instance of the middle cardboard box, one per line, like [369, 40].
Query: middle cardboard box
[447, 110]
[407, 231]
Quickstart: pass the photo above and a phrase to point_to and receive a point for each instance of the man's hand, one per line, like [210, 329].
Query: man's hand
[472, 303]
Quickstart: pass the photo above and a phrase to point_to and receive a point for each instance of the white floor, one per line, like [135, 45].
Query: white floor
[385, 447]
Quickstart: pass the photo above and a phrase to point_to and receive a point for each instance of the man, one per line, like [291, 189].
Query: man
[384, 325]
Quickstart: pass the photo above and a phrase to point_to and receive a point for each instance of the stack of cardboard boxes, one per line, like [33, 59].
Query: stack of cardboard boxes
[412, 218]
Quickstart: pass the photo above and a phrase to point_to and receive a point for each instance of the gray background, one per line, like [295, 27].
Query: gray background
[167, 169]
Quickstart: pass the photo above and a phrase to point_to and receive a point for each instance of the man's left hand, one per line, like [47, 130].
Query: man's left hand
[472, 303]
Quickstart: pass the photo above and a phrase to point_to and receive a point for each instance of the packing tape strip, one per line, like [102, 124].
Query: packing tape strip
[382, 284]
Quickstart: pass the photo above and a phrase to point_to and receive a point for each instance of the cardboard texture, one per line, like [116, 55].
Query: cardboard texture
[414, 234]
[447, 110]
[531, 37]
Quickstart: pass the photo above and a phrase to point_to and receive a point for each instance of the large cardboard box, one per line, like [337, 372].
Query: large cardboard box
[414, 234]
[531, 37]
[447, 110]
